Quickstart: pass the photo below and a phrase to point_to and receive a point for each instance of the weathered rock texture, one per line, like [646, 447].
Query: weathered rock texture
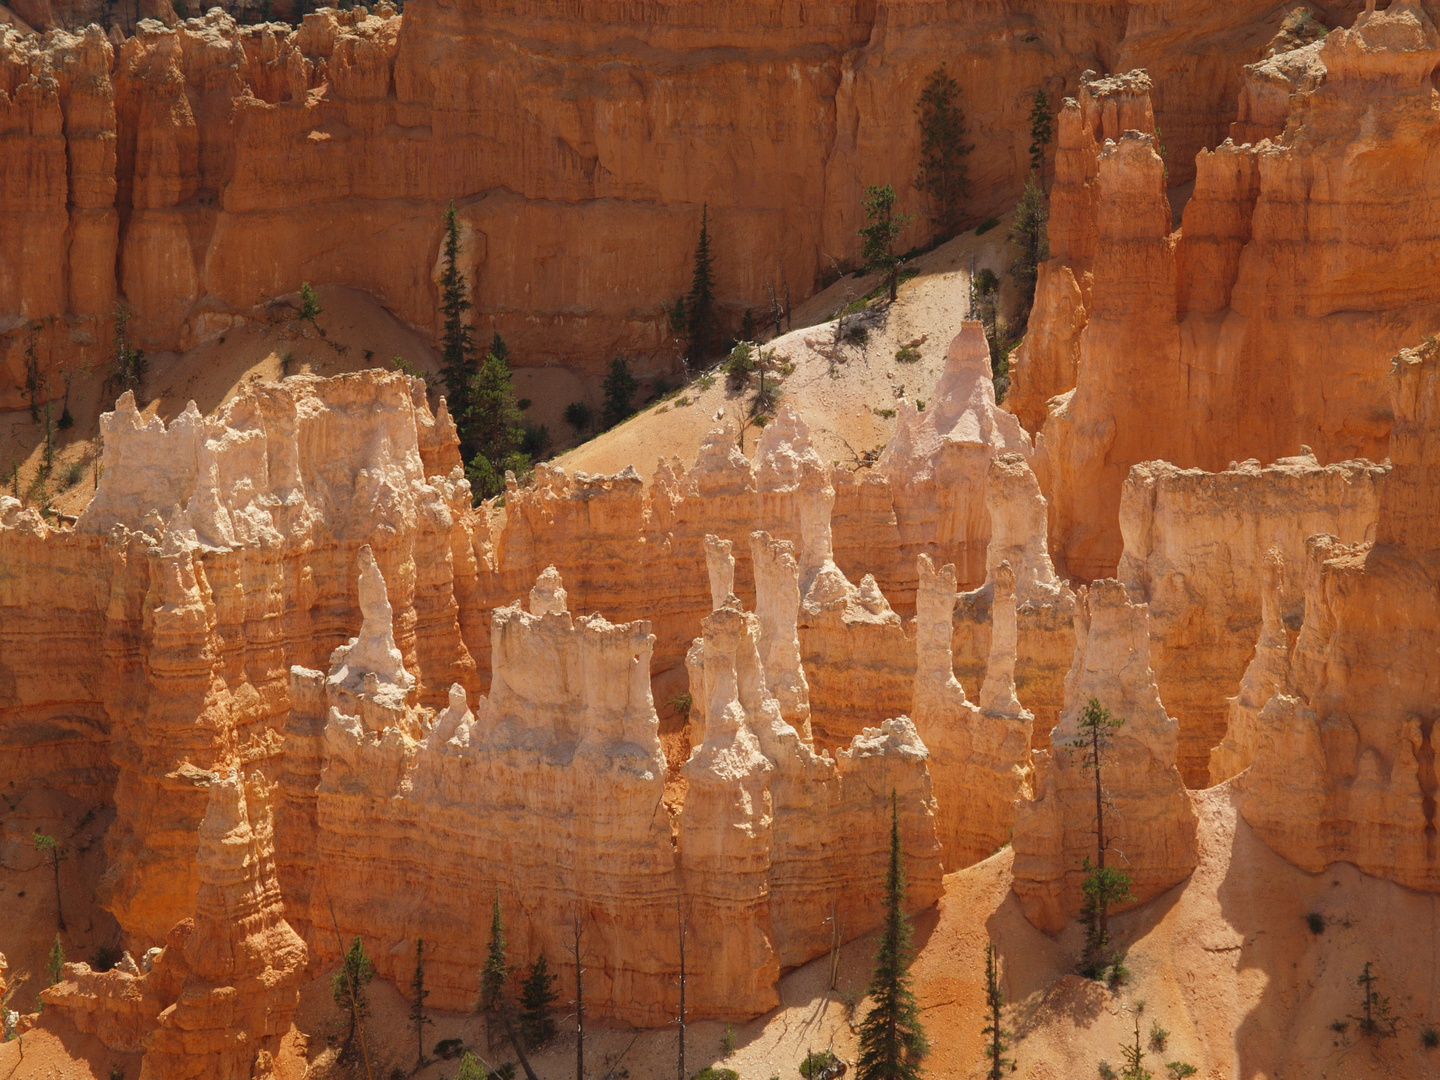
[979, 755]
[1268, 320]
[218, 998]
[225, 164]
[1195, 545]
[1149, 819]
[557, 781]
[1344, 752]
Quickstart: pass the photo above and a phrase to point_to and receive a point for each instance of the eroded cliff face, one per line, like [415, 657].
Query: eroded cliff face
[1280, 285]
[200, 169]
[1344, 758]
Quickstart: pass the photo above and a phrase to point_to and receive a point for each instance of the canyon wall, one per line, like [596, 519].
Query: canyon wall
[196, 171]
[1299, 268]
[1344, 755]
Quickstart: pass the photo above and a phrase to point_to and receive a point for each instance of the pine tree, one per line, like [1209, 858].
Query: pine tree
[943, 150]
[701, 324]
[537, 1004]
[128, 366]
[457, 346]
[1134, 1055]
[1028, 234]
[495, 428]
[892, 1041]
[48, 845]
[32, 376]
[470, 1068]
[881, 229]
[994, 1003]
[1103, 885]
[55, 965]
[499, 348]
[418, 994]
[494, 998]
[309, 303]
[347, 985]
[1042, 131]
[620, 387]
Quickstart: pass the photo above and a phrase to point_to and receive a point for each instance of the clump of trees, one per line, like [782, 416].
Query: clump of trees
[619, 387]
[494, 437]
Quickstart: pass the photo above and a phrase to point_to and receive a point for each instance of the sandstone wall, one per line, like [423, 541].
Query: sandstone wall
[1229, 338]
[1194, 552]
[1344, 751]
[223, 165]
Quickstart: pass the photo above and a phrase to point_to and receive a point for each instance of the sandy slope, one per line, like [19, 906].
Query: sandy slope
[841, 390]
[1225, 962]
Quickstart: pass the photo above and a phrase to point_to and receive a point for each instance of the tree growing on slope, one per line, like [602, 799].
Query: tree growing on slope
[495, 1000]
[457, 344]
[1104, 885]
[537, 1004]
[418, 994]
[881, 229]
[495, 428]
[620, 387]
[942, 172]
[1042, 132]
[50, 848]
[892, 1040]
[701, 322]
[994, 1004]
[348, 986]
[1032, 244]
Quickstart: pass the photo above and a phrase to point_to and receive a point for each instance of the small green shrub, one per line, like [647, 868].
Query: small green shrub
[920, 404]
[73, 473]
[821, 1065]
[710, 1072]
[681, 704]
[1179, 1070]
[1158, 1037]
[907, 354]
[884, 414]
[578, 415]
[1429, 1038]
[449, 1048]
[740, 364]
[986, 225]
[727, 1041]
[1106, 1072]
[1316, 922]
[309, 302]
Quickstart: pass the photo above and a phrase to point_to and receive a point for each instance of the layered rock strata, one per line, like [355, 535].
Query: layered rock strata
[1044, 606]
[1149, 821]
[225, 164]
[979, 755]
[566, 753]
[1344, 754]
[1282, 285]
[1195, 545]
[218, 998]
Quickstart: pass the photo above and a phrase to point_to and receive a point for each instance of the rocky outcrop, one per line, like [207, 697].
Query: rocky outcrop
[1229, 339]
[1344, 759]
[1195, 545]
[1045, 363]
[773, 833]
[1150, 824]
[937, 460]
